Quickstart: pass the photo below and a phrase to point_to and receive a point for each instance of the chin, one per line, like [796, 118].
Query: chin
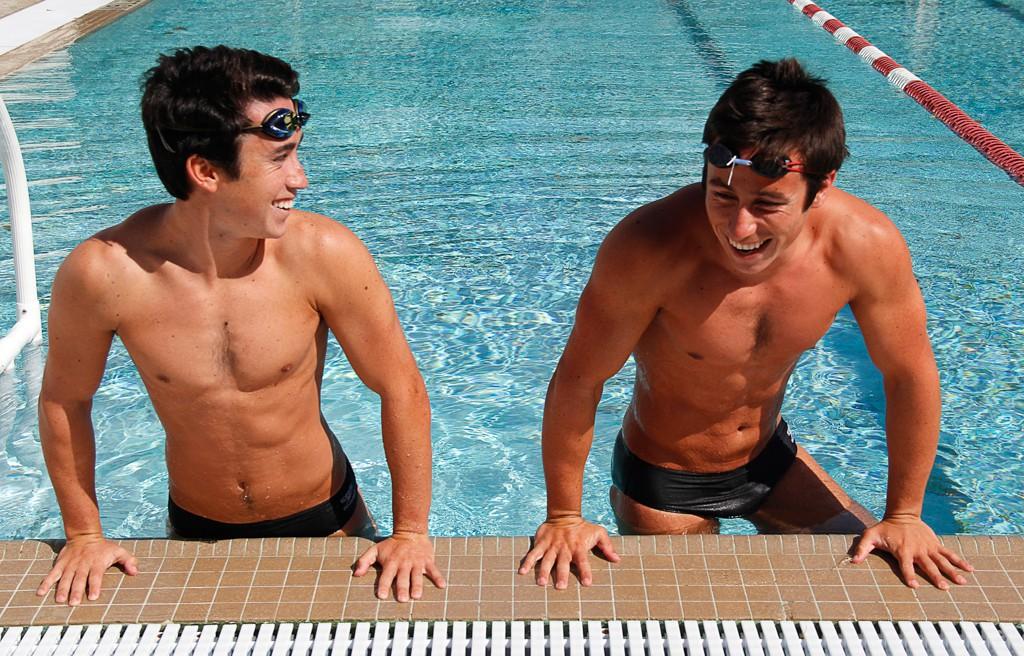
[751, 267]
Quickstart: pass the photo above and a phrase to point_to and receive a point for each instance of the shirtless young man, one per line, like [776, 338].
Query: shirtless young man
[717, 290]
[223, 298]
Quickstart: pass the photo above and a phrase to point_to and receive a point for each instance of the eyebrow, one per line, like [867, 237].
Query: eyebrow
[287, 147]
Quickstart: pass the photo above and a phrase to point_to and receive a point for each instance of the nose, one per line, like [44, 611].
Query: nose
[742, 225]
[297, 177]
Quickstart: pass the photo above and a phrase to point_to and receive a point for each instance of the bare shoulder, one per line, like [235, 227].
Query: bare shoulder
[320, 241]
[103, 263]
[327, 257]
[654, 236]
[863, 244]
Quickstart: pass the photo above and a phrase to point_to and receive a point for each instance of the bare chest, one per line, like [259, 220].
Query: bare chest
[745, 327]
[245, 334]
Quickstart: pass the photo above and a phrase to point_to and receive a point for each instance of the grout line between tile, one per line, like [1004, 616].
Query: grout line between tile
[252, 581]
[316, 582]
[675, 574]
[209, 608]
[113, 595]
[885, 604]
[1020, 595]
[348, 588]
[20, 586]
[159, 569]
[643, 577]
[480, 581]
[985, 594]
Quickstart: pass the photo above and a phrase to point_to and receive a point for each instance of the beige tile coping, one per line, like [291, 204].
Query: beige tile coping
[64, 35]
[660, 577]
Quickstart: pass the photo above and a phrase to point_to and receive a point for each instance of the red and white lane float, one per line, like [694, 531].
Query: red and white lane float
[942, 108]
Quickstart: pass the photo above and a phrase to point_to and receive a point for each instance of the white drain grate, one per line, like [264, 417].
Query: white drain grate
[632, 638]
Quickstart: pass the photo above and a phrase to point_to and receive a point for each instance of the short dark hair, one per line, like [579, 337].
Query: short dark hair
[776, 108]
[193, 103]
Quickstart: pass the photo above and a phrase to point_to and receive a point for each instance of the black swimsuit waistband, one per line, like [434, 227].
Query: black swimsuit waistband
[732, 493]
[320, 520]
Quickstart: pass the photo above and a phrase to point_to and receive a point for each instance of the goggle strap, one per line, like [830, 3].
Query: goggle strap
[163, 141]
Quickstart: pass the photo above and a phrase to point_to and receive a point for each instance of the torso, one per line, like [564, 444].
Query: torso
[232, 366]
[713, 364]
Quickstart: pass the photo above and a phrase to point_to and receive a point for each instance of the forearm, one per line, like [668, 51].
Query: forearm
[568, 433]
[405, 426]
[66, 436]
[913, 409]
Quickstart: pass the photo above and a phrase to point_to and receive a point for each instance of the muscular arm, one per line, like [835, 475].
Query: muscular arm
[80, 331]
[359, 310]
[891, 314]
[615, 309]
[610, 319]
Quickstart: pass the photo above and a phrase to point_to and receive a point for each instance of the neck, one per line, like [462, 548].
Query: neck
[204, 245]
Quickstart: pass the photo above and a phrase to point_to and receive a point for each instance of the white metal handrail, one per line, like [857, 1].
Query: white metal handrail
[28, 327]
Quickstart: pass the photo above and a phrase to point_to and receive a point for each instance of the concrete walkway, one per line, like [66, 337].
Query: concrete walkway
[30, 29]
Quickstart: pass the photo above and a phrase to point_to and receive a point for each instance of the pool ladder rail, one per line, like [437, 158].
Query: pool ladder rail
[551, 638]
[28, 327]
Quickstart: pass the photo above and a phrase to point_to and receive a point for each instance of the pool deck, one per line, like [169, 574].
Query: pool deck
[30, 29]
[660, 577]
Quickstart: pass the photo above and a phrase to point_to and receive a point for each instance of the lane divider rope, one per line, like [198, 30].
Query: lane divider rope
[940, 107]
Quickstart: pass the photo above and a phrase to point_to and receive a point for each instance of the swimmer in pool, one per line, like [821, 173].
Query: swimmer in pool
[223, 298]
[716, 290]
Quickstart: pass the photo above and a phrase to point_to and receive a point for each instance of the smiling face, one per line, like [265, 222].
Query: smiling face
[257, 203]
[755, 219]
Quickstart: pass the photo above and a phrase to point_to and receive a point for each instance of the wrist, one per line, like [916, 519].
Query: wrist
[84, 535]
[563, 517]
[902, 515]
[410, 530]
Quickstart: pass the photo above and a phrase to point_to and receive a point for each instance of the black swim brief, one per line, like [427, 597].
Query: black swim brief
[734, 493]
[319, 521]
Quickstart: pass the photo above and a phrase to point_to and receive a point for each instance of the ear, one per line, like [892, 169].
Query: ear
[826, 184]
[202, 174]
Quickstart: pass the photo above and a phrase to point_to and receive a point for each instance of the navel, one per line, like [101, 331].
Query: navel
[246, 494]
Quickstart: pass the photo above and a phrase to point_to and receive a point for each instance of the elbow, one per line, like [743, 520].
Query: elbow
[407, 390]
[569, 382]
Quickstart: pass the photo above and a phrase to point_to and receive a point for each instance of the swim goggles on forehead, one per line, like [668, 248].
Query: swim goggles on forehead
[279, 124]
[282, 123]
[719, 156]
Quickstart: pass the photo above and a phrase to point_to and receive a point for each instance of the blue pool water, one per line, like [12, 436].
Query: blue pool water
[482, 149]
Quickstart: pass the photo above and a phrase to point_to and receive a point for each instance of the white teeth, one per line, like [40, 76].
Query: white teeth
[746, 247]
[284, 205]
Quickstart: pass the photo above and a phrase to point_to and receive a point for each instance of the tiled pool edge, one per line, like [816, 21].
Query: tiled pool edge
[65, 35]
[660, 577]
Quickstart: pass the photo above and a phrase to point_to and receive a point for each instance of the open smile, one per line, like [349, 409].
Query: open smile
[751, 248]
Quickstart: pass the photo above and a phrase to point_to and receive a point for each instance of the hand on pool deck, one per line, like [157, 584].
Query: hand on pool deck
[404, 558]
[563, 542]
[913, 544]
[80, 566]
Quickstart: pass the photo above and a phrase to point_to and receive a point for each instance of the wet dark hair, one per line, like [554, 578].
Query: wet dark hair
[193, 103]
[777, 108]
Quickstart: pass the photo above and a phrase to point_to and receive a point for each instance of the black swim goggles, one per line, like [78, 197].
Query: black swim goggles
[279, 124]
[719, 156]
[282, 123]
